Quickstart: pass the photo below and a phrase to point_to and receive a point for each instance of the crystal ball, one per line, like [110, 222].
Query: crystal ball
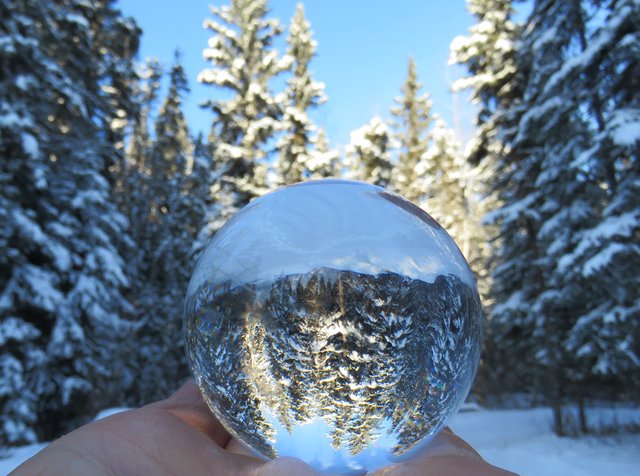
[335, 322]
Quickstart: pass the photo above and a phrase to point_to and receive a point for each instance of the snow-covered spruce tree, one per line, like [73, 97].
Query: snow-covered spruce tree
[368, 153]
[590, 240]
[133, 177]
[563, 201]
[302, 93]
[243, 62]
[594, 239]
[323, 162]
[440, 183]
[534, 184]
[558, 244]
[413, 118]
[488, 53]
[165, 259]
[63, 326]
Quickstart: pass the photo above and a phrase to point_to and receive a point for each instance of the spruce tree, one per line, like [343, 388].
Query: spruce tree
[134, 191]
[413, 117]
[592, 239]
[560, 235]
[324, 162]
[165, 247]
[303, 93]
[368, 153]
[489, 55]
[440, 182]
[63, 312]
[243, 62]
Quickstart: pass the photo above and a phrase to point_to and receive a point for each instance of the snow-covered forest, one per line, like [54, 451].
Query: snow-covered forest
[107, 197]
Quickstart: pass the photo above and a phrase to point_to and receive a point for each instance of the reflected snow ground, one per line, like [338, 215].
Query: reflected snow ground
[313, 439]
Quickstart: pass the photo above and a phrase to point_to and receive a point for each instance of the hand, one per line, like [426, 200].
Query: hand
[179, 435]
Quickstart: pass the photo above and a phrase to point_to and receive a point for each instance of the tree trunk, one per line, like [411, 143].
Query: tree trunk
[558, 420]
[584, 427]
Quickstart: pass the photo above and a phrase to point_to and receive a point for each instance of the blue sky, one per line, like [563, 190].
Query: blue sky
[363, 49]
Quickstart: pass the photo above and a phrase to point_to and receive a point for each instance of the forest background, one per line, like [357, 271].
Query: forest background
[106, 197]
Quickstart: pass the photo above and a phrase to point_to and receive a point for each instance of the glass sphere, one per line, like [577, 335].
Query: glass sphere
[335, 322]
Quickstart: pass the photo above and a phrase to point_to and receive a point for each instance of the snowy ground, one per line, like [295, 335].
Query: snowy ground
[522, 441]
[519, 440]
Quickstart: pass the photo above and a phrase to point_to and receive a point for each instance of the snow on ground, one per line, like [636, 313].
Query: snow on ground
[522, 441]
[10, 458]
[518, 440]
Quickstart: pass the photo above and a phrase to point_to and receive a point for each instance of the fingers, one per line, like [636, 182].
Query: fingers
[285, 467]
[187, 404]
[443, 466]
[447, 443]
[446, 455]
[238, 447]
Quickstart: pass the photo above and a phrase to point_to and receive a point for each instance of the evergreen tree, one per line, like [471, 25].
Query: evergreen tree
[591, 240]
[530, 317]
[369, 157]
[63, 313]
[441, 184]
[413, 113]
[302, 94]
[243, 63]
[134, 193]
[165, 247]
[559, 184]
[489, 54]
[323, 161]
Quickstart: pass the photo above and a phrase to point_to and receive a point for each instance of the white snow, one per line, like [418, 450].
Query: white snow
[41, 286]
[522, 441]
[70, 385]
[625, 127]
[13, 457]
[604, 257]
[511, 212]
[347, 226]
[91, 196]
[110, 411]
[518, 440]
[614, 226]
[216, 76]
[16, 329]
[79, 20]
[11, 119]
[30, 145]
[535, 113]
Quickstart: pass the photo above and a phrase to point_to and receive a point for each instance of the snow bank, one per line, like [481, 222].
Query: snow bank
[522, 441]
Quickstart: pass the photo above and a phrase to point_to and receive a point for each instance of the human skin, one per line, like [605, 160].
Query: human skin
[179, 436]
